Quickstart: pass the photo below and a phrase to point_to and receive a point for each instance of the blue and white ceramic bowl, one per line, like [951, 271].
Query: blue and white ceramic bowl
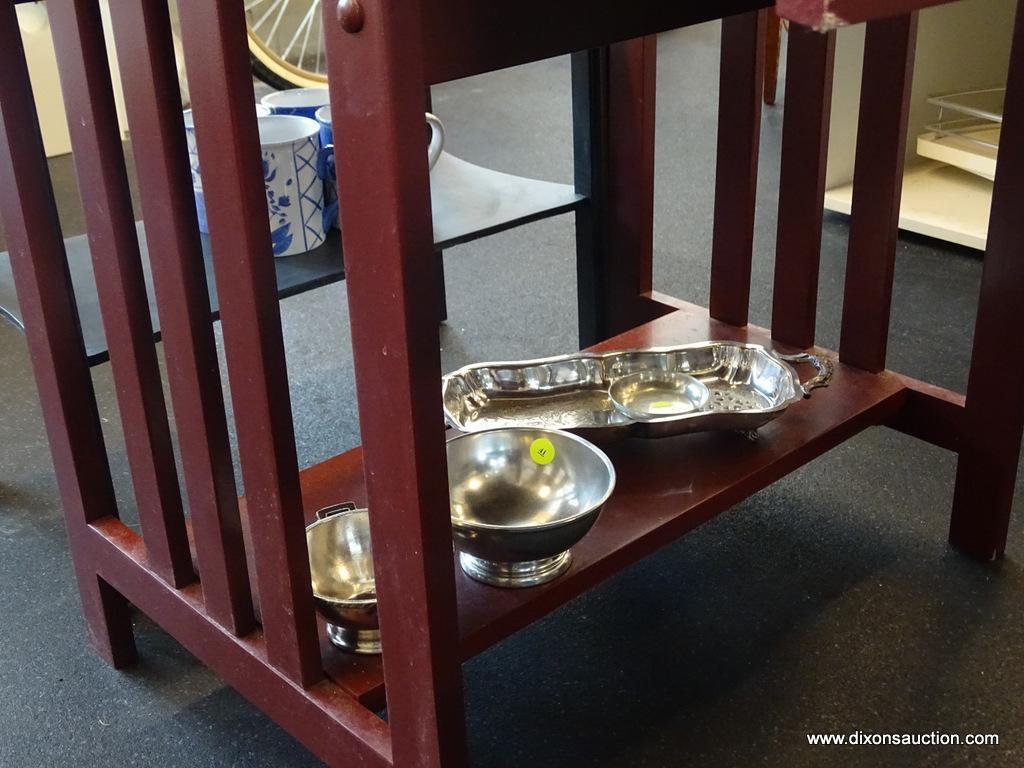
[301, 102]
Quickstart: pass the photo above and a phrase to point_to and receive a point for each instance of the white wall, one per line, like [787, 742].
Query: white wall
[42, 70]
[42, 66]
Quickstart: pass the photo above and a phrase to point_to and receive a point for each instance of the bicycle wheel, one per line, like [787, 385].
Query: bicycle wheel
[286, 41]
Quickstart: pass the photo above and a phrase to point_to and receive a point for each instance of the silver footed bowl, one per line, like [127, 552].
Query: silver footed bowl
[341, 566]
[520, 499]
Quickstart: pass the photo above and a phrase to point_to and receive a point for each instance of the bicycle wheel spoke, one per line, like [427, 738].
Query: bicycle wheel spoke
[282, 38]
[305, 24]
[320, 48]
[277, 21]
[265, 15]
[305, 40]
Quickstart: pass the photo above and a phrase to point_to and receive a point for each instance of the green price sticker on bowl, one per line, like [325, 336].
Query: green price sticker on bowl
[542, 450]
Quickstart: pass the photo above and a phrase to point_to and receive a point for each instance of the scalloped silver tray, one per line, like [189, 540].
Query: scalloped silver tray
[749, 386]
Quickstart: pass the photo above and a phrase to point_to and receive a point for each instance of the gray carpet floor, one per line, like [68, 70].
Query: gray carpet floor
[828, 602]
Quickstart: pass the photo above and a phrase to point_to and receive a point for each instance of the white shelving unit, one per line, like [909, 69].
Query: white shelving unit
[970, 139]
[953, 138]
[938, 201]
[973, 150]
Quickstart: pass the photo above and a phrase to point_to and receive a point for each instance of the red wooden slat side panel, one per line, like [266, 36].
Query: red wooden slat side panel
[824, 15]
[325, 718]
[739, 139]
[987, 472]
[103, 184]
[55, 339]
[877, 186]
[377, 86]
[808, 106]
[217, 58]
[142, 32]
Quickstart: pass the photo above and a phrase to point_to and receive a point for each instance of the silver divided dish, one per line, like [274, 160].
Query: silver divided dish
[747, 384]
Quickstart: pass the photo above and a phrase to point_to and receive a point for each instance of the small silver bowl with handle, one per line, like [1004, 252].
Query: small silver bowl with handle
[520, 499]
[341, 567]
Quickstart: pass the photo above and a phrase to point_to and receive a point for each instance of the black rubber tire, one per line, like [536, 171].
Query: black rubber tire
[275, 81]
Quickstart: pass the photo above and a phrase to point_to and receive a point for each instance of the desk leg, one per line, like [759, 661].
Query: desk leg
[377, 85]
[442, 292]
[613, 93]
[987, 471]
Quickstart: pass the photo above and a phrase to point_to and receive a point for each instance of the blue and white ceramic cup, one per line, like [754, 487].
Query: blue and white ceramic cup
[193, 151]
[190, 140]
[295, 191]
[193, 161]
[323, 117]
[327, 168]
[436, 139]
[301, 102]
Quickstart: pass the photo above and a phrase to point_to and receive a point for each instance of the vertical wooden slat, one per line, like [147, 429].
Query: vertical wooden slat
[808, 105]
[217, 59]
[55, 340]
[987, 470]
[613, 136]
[739, 140]
[142, 33]
[113, 241]
[632, 91]
[376, 81]
[877, 186]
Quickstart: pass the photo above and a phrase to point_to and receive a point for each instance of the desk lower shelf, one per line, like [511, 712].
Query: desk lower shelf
[665, 489]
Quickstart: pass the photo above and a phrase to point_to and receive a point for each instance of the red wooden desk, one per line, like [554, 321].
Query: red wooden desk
[201, 581]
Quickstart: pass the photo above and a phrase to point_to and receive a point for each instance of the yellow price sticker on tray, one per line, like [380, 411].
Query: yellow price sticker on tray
[542, 450]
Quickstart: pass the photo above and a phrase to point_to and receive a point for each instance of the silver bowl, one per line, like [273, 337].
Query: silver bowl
[520, 499]
[341, 566]
[657, 394]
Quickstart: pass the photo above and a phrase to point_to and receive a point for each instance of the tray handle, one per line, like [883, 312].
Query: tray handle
[335, 509]
[822, 365]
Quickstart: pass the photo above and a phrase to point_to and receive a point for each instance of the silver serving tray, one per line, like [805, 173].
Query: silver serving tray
[749, 386]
